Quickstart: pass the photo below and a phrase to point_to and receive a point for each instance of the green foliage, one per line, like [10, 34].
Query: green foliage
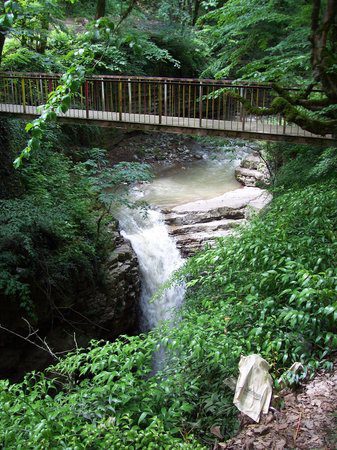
[53, 236]
[185, 47]
[48, 236]
[130, 43]
[298, 165]
[110, 185]
[259, 40]
[102, 398]
[58, 102]
[270, 291]
[17, 58]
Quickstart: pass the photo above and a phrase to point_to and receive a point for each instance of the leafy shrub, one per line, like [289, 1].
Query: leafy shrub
[47, 236]
[118, 407]
[298, 165]
[271, 291]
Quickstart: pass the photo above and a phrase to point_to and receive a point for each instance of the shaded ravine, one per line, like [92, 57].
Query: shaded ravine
[151, 237]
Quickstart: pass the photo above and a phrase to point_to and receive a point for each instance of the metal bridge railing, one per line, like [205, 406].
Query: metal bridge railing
[191, 103]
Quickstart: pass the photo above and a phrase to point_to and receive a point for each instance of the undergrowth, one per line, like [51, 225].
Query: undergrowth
[272, 291]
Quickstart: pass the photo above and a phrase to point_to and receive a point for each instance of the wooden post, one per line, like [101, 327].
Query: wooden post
[284, 125]
[139, 97]
[86, 93]
[200, 104]
[243, 111]
[120, 99]
[23, 93]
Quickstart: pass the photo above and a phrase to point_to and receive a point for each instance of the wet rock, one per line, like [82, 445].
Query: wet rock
[151, 147]
[249, 177]
[252, 161]
[197, 224]
[117, 307]
[252, 171]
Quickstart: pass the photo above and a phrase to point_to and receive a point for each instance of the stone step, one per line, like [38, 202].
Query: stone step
[196, 224]
[208, 227]
[190, 244]
[201, 237]
[195, 217]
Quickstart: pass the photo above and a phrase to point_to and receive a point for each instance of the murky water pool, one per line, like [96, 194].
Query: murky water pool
[186, 182]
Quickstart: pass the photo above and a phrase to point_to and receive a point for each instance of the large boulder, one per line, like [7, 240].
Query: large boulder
[197, 224]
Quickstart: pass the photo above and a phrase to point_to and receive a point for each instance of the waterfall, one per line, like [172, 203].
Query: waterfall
[158, 258]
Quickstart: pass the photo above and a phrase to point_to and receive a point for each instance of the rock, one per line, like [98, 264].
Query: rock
[103, 310]
[249, 177]
[252, 161]
[215, 429]
[197, 224]
[263, 429]
[252, 171]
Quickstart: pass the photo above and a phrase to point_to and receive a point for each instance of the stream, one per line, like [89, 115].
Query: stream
[157, 253]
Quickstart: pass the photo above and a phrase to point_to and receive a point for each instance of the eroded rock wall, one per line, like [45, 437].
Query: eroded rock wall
[104, 311]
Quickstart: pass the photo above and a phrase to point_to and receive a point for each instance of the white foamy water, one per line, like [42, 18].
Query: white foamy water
[156, 250]
[158, 258]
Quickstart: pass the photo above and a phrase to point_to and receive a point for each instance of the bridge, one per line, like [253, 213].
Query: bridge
[189, 106]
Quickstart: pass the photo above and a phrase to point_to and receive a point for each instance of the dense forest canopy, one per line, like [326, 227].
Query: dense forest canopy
[287, 43]
[271, 289]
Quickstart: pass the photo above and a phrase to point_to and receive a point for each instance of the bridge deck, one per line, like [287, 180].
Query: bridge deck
[251, 128]
[174, 105]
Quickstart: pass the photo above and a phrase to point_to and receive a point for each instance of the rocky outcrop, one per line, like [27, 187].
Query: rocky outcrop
[151, 147]
[113, 309]
[196, 224]
[252, 171]
[101, 311]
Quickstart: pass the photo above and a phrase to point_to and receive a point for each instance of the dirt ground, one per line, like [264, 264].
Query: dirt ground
[308, 421]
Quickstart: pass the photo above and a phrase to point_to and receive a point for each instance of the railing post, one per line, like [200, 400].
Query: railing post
[86, 93]
[103, 95]
[200, 104]
[130, 95]
[120, 99]
[165, 98]
[23, 93]
[160, 102]
[243, 111]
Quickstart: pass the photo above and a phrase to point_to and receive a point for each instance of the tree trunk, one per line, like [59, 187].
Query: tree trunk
[323, 34]
[126, 13]
[100, 9]
[196, 9]
[2, 31]
[2, 42]
[42, 41]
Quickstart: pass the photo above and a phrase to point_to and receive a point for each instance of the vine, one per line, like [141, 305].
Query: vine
[58, 102]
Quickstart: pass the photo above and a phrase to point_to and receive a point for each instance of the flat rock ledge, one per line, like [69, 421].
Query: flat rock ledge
[197, 224]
